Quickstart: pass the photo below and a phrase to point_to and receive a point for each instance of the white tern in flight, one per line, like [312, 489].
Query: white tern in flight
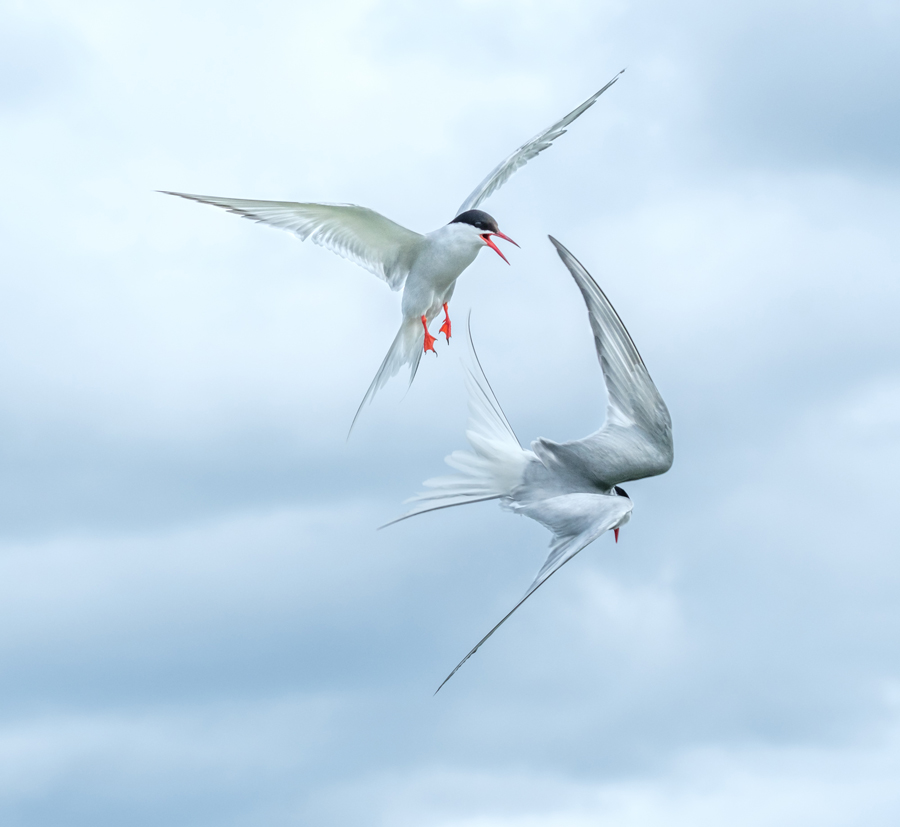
[425, 267]
[572, 488]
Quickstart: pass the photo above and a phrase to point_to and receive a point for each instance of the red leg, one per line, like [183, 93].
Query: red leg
[429, 339]
[445, 327]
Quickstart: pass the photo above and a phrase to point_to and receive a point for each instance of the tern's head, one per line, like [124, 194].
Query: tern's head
[621, 492]
[485, 226]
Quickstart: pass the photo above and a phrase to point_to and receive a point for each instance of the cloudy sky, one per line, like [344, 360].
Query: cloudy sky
[200, 624]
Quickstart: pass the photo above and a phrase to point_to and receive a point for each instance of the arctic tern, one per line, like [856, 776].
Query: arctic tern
[425, 266]
[572, 488]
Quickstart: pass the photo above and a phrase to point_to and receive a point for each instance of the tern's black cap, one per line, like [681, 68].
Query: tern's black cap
[478, 219]
[621, 492]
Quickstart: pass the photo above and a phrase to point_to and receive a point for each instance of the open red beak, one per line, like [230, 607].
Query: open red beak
[494, 247]
[616, 532]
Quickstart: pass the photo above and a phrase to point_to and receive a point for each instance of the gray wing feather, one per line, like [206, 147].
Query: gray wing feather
[359, 234]
[502, 172]
[576, 520]
[636, 439]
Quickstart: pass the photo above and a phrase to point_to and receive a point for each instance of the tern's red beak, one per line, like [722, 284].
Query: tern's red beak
[494, 247]
[616, 532]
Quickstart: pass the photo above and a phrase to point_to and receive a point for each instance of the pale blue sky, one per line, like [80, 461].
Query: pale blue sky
[199, 623]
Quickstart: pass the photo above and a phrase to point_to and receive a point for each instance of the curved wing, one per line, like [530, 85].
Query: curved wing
[636, 439]
[502, 172]
[362, 235]
[576, 520]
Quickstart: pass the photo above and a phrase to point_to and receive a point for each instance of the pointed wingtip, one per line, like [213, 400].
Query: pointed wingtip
[395, 521]
[454, 671]
[564, 253]
[356, 415]
[560, 247]
[614, 78]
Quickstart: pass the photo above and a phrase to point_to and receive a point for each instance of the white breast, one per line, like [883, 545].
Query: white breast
[444, 255]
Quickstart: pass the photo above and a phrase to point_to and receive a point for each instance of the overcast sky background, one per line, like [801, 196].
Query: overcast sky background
[199, 623]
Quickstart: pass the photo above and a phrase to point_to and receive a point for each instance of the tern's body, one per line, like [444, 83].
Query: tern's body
[440, 259]
[572, 488]
[425, 267]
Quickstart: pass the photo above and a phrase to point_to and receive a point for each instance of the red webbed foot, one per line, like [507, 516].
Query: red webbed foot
[429, 339]
[445, 327]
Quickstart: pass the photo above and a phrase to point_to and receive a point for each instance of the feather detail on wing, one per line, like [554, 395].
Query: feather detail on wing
[502, 172]
[576, 520]
[636, 439]
[359, 234]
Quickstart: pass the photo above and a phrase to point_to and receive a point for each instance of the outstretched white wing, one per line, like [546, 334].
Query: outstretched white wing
[501, 173]
[576, 520]
[362, 235]
[636, 439]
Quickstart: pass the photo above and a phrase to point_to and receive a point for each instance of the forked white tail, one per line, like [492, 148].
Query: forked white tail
[493, 468]
[406, 349]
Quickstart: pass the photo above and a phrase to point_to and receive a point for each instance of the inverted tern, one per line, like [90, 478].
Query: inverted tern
[425, 267]
[572, 488]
